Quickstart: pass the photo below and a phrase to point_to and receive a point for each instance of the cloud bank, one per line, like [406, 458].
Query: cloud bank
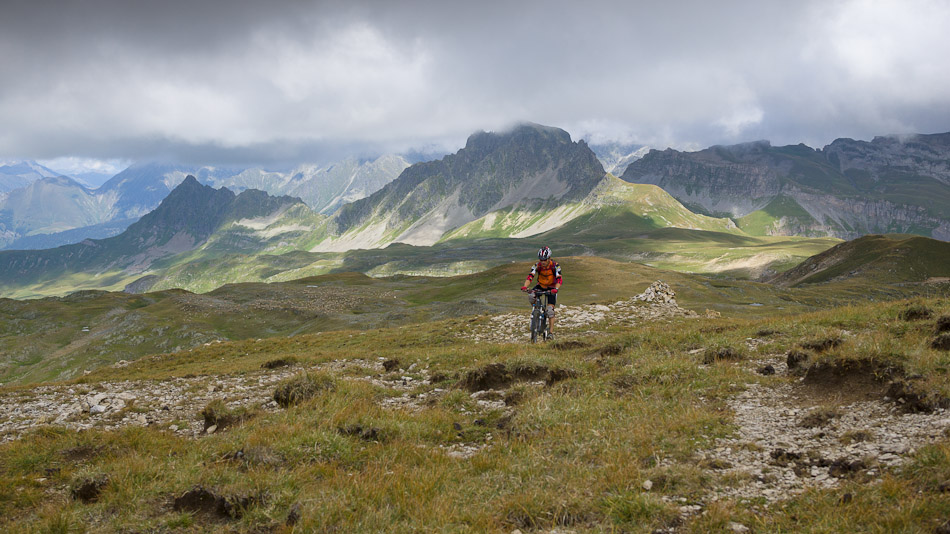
[237, 82]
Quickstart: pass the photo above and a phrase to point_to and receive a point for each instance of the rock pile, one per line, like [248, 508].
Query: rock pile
[659, 292]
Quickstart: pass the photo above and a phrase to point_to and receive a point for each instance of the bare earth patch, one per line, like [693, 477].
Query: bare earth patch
[793, 434]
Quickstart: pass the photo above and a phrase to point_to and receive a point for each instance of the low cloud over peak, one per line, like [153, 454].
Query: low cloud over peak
[238, 82]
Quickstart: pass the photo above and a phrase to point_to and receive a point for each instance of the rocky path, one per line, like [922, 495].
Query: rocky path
[174, 403]
[789, 437]
[656, 303]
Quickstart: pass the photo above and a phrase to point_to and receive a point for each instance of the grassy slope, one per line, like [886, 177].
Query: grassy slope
[877, 259]
[44, 339]
[572, 455]
[648, 202]
[628, 236]
[766, 220]
[611, 232]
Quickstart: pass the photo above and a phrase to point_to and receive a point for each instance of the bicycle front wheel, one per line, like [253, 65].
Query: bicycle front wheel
[535, 325]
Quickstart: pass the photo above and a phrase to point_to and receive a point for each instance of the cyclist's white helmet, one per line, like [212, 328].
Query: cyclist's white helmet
[544, 253]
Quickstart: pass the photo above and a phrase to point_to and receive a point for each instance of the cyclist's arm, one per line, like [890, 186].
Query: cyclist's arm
[534, 269]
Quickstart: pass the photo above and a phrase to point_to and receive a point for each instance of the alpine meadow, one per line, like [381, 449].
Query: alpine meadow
[313, 267]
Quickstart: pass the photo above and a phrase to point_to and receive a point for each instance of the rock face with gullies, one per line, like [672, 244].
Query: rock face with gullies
[531, 166]
[847, 189]
[322, 187]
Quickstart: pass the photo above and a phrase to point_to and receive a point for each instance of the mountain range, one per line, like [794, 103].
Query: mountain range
[188, 216]
[476, 206]
[46, 209]
[531, 169]
[484, 204]
[846, 189]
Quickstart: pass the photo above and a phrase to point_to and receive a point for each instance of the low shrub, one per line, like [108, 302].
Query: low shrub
[915, 312]
[218, 414]
[301, 388]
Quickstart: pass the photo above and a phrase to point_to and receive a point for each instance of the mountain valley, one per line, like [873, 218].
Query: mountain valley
[48, 210]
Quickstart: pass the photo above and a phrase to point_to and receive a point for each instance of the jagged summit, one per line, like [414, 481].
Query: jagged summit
[518, 133]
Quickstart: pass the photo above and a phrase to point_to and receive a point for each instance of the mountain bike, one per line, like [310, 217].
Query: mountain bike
[539, 315]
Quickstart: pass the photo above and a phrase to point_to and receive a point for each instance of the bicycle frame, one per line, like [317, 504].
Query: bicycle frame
[539, 315]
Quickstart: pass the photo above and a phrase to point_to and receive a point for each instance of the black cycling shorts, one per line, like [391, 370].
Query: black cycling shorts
[552, 299]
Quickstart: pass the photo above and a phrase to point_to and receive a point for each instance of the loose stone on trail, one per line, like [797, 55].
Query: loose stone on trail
[657, 302]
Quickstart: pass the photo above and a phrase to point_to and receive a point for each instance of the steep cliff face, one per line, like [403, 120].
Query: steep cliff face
[323, 188]
[847, 189]
[885, 157]
[716, 179]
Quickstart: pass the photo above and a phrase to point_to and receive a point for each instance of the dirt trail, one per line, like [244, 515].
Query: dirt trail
[658, 302]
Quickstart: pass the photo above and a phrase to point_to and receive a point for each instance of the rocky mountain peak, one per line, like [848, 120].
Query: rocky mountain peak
[753, 147]
[524, 133]
[529, 163]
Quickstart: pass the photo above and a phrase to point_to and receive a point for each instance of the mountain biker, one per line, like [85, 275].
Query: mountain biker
[549, 279]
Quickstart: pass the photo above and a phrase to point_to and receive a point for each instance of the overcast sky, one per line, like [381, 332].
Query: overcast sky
[238, 82]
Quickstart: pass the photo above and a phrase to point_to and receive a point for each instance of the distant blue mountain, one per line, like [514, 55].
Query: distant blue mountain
[44, 203]
[21, 174]
[68, 237]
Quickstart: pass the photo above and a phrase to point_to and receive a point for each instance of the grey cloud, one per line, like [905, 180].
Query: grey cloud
[241, 81]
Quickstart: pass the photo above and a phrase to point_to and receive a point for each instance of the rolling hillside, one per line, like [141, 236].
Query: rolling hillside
[885, 259]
